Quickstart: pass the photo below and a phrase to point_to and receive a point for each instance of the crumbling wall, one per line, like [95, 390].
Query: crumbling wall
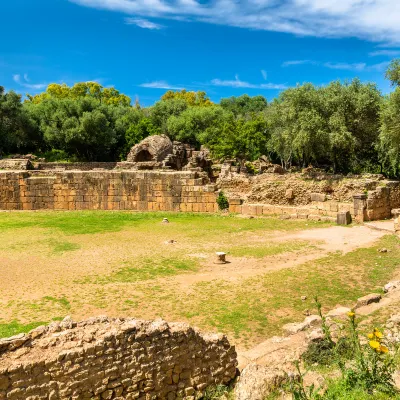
[15, 164]
[75, 166]
[122, 359]
[107, 190]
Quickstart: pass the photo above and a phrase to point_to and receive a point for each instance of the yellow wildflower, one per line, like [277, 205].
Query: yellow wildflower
[383, 349]
[378, 334]
[374, 344]
[370, 336]
[351, 314]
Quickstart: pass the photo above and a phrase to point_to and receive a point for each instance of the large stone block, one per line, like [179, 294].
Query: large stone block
[343, 218]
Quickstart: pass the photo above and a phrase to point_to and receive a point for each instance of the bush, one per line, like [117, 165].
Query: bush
[222, 201]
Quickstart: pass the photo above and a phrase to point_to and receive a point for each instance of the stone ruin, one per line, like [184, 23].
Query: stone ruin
[159, 151]
[109, 358]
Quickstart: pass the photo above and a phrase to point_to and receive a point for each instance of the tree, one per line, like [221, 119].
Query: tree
[82, 127]
[94, 90]
[192, 98]
[164, 109]
[244, 104]
[245, 139]
[393, 72]
[18, 133]
[390, 132]
[196, 125]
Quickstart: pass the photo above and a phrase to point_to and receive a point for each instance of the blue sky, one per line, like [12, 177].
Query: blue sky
[224, 47]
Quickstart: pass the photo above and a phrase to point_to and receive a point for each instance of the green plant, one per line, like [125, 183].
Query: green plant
[251, 169]
[222, 201]
[216, 392]
[370, 373]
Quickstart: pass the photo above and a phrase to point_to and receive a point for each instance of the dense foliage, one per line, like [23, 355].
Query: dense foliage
[341, 127]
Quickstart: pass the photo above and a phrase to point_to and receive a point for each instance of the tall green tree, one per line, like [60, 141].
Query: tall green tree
[393, 72]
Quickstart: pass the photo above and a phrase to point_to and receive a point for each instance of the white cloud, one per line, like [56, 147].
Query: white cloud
[160, 85]
[142, 23]
[298, 62]
[374, 20]
[237, 83]
[385, 53]
[264, 74]
[346, 66]
[25, 82]
[341, 65]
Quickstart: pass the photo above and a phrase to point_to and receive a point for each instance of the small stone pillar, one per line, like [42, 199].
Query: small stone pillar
[396, 215]
[360, 207]
[220, 258]
[343, 218]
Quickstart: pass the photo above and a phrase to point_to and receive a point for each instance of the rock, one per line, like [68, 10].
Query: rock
[171, 241]
[316, 335]
[304, 298]
[289, 194]
[343, 218]
[391, 286]
[256, 382]
[293, 328]
[320, 197]
[220, 259]
[383, 250]
[165, 221]
[369, 299]
[340, 313]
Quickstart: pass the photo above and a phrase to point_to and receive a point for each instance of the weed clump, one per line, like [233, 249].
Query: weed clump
[222, 201]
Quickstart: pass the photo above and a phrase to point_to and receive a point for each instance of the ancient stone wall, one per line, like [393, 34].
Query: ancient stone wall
[106, 190]
[75, 166]
[120, 359]
[15, 164]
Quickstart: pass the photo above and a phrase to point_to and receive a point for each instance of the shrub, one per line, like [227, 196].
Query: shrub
[222, 201]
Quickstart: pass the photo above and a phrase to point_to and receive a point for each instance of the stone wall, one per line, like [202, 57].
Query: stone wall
[120, 359]
[15, 164]
[75, 166]
[106, 190]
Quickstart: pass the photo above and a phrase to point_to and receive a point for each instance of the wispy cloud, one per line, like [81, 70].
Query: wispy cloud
[160, 85]
[143, 23]
[358, 67]
[264, 74]
[374, 20]
[298, 62]
[25, 82]
[346, 66]
[385, 53]
[237, 83]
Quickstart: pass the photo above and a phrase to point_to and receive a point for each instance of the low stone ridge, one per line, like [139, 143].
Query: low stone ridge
[104, 358]
[368, 299]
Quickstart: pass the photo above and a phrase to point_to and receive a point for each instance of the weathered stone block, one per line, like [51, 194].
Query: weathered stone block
[343, 218]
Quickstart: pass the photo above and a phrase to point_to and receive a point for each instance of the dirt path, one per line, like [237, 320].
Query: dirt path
[324, 241]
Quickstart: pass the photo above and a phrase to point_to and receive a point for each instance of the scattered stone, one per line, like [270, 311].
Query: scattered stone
[339, 313]
[368, 299]
[383, 250]
[391, 286]
[171, 241]
[165, 221]
[221, 258]
[293, 328]
[316, 335]
[289, 194]
[256, 382]
[304, 298]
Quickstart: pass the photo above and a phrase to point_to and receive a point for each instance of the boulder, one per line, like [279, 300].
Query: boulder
[256, 382]
[343, 218]
[369, 299]
[391, 286]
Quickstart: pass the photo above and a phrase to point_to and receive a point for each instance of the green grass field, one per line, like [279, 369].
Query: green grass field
[82, 264]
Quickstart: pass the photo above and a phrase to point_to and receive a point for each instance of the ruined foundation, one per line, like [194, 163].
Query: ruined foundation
[122, 359]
